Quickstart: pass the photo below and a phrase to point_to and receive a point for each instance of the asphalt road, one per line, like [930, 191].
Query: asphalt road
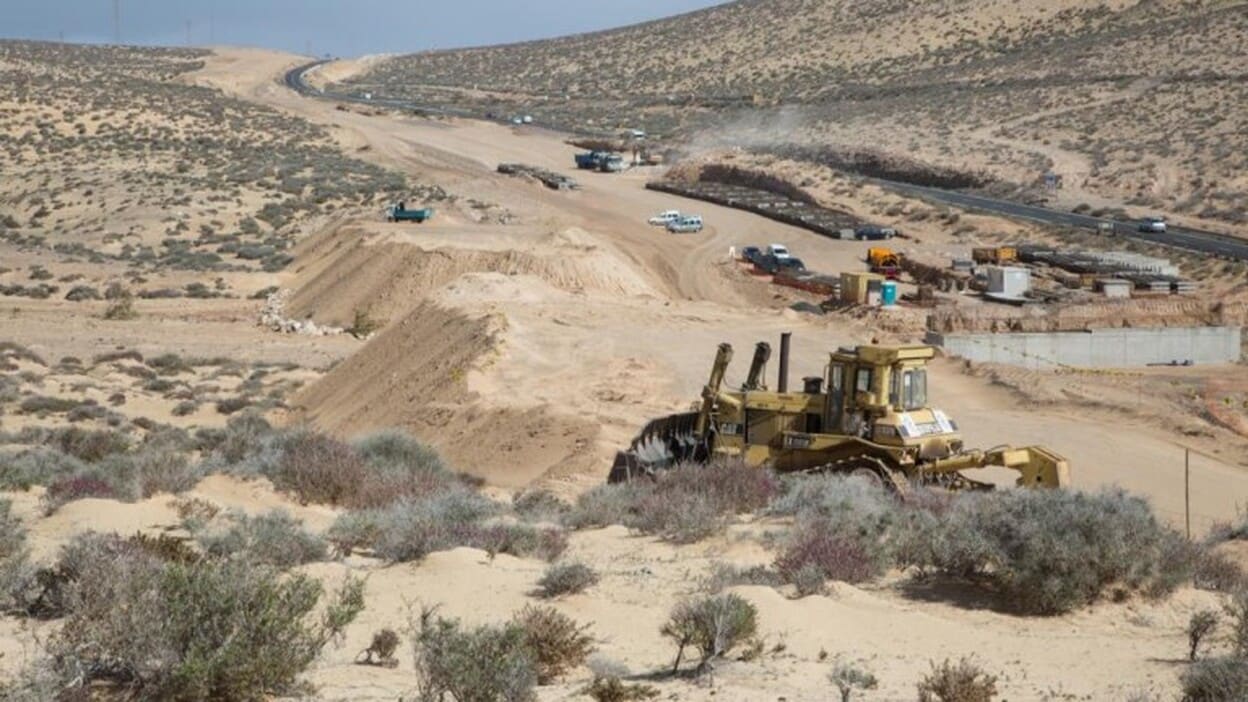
[1199, 241]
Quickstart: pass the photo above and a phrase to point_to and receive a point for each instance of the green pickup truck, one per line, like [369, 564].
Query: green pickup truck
[400, 213]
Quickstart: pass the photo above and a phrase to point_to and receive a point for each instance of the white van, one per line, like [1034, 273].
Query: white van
[664, 218]
[687, 224]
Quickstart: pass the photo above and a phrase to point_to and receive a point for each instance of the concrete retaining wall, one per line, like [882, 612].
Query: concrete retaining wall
[1099, 348]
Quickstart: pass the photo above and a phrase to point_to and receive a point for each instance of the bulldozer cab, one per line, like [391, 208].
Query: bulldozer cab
[865, 382]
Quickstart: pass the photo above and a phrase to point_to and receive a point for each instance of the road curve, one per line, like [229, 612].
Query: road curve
[1199, 241]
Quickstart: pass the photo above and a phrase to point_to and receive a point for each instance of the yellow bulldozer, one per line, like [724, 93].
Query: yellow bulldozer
[867, 415]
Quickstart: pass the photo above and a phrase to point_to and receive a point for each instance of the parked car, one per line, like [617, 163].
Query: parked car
[663, 218]
[688, 224]
[1154, 225]
[779, 251]
[753, 254]
[873, 233]
[773, 265]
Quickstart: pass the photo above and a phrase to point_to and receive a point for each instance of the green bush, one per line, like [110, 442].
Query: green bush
[38, 466]
[957, 682]
[556, 642]
[274, 538]
[713, 626]
[566, 579]
[200, 631]
[478, 664]
[848, 677]
[611, 689]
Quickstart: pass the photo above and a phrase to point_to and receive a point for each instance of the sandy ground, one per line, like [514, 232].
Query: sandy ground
[528, 352]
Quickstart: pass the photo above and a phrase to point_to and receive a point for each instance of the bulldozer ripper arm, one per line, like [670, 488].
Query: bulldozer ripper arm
[711, 392]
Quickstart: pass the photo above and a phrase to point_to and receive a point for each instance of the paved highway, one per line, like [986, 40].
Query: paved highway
[1196, 240]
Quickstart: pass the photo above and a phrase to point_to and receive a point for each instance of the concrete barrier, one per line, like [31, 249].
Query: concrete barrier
[1097, 348]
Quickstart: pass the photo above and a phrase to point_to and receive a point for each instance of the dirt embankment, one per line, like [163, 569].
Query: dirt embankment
[414, 376]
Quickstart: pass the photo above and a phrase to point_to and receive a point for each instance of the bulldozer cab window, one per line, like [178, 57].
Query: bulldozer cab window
[862, 380]
[909, 391]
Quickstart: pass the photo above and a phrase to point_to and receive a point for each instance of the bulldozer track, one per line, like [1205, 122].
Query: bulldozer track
[887, 477]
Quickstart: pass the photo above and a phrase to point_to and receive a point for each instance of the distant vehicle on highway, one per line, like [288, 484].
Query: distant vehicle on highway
[1153, 225]
[662, 219]
[687, 224]
[873, 233]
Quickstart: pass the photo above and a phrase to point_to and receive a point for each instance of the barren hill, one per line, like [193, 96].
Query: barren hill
[1136, 103]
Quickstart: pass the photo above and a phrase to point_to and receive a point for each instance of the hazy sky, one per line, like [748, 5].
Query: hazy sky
[340, 27]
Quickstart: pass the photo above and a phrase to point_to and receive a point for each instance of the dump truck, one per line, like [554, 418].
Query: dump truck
[400, 213]
[867, 415]
[885, 262]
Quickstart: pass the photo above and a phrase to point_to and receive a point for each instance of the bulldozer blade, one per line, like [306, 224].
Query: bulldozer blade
[663, 442]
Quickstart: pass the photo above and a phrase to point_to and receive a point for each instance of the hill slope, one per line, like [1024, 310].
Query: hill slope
[1137, 102]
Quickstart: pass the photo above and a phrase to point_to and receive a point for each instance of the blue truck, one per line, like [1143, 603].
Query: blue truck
[400, 213]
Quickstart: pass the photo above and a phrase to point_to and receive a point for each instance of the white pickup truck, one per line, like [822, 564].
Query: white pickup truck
[662, 219]
[778, 251]
[687, 224]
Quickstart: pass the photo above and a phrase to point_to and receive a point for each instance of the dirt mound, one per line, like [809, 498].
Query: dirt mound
[385, 274]
[414, 376]
[1184, 312]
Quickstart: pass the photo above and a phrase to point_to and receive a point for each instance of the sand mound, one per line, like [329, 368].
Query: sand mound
[415, 376]
[386, 273]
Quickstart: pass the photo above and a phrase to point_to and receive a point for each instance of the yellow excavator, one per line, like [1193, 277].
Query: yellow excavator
[867, 415]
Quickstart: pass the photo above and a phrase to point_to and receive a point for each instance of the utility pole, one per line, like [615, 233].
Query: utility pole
[116, 21]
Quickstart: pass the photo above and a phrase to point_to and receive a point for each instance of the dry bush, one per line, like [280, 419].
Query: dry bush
[611, 689]
[557, 643]
[319, 469]
[15, 569]
[566, 579]
[713, 626]
[685, 504]
[382, 647]
[275, 539]
[1200, 626]
[848, 678]
[1222, 679]
[200, 631]
[820, 549]
[1050, 551]
[957, 682]
[479, 664]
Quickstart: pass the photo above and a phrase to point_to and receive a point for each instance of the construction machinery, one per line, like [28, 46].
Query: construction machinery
[867, 415]
[884, 261]
[998, 255]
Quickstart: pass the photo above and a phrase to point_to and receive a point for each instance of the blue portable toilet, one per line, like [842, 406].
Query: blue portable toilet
[888, 293]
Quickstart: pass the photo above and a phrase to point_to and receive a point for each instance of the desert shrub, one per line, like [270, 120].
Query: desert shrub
[1237, 610]
[42, 404]
[1200, 626]
[15, 569]
[230, 405]
[79, 293]
[847, 678]
[539, 505]
[1231, 531]
[411, 529]
[381, 649]
[319, 469]
[566, 579]
[611, 689]
[478, 664]
[1049, 551]
[74, 488]
[274, 538]
[556, 642]
[156, 469]
[685, 504]
[819, 549]
[713, 626]
[1215, 571]
[38, 466]
[725, 575]
[957, 682]
[90, 445]
[200, 631]
[245, 435]
[1223, 679]
[121, 309]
